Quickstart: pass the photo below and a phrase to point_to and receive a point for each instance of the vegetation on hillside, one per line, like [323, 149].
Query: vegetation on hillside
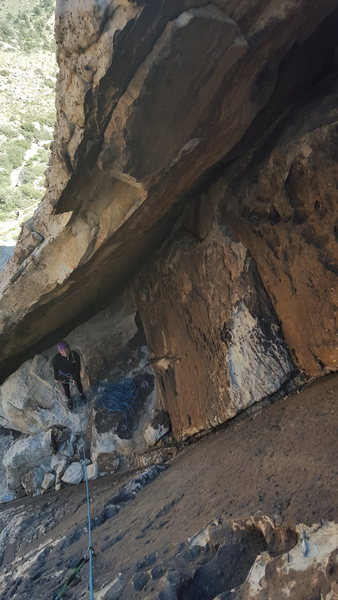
[27, 25]
[27, 114]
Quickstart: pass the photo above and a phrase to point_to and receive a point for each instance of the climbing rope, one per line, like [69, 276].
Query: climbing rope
[72, 576]
[90, 549]
[90, 544]
[121, 397]
[117, 398]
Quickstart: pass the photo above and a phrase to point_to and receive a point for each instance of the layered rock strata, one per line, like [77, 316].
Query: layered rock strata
[192, 122]
[216, 340]
[282, 205]
[143, 112]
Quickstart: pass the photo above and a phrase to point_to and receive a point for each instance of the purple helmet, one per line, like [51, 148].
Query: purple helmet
[62, 346]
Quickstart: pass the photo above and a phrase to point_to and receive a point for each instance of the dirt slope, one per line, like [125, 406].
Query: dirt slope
[281, 462]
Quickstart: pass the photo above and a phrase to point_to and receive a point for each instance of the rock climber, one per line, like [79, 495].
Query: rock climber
[67, 367]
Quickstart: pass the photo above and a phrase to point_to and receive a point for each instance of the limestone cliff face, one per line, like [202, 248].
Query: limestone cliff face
[189, 122]
[283, 205]
[217, 343]
[246, 289]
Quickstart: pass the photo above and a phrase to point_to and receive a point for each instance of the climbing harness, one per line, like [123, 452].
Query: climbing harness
[121, 397]
[68, 378]
[90, 550]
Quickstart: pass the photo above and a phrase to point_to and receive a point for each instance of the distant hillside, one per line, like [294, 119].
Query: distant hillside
[27, 114]
[27, 24]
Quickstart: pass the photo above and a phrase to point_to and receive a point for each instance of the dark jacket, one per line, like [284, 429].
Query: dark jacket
[66, 367]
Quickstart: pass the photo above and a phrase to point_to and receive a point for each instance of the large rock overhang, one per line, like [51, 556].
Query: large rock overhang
[150, 97]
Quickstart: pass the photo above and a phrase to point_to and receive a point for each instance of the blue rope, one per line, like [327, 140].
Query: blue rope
[90, 544]
[115, 398]
[121, 397]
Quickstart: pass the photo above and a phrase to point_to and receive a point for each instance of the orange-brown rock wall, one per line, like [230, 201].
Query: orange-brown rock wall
[284, 210]
[246, 289]
[150, 96]
[189, 117]
[217, 347]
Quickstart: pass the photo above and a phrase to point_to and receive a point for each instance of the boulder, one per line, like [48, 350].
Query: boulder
[7, 439]
[107, 462]
[58, 464]
[32, 481]
[155, 456]
[81, 448]
[304, 570]
[64, 441]
[7, 497]
[25, 455]
[48, 481]
[73, 474]
[93, 471]
[159, 426]
[30, 401]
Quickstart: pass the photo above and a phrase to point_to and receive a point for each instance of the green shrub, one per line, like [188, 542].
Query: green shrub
[49, 45]
[14, 151]
[25, 24]
[30, 132]
[50, 83]
[28, 190]
[8, 131]
[29, 27]
[12, 199]
[32, 172]
[27, 127]
[6, 31]
[48, 119]
[5, 163]
[4, 178]
[43, 155]
[8, 200]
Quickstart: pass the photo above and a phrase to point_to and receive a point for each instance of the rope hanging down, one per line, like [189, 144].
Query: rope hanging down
[117, 397]
[90, 550]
